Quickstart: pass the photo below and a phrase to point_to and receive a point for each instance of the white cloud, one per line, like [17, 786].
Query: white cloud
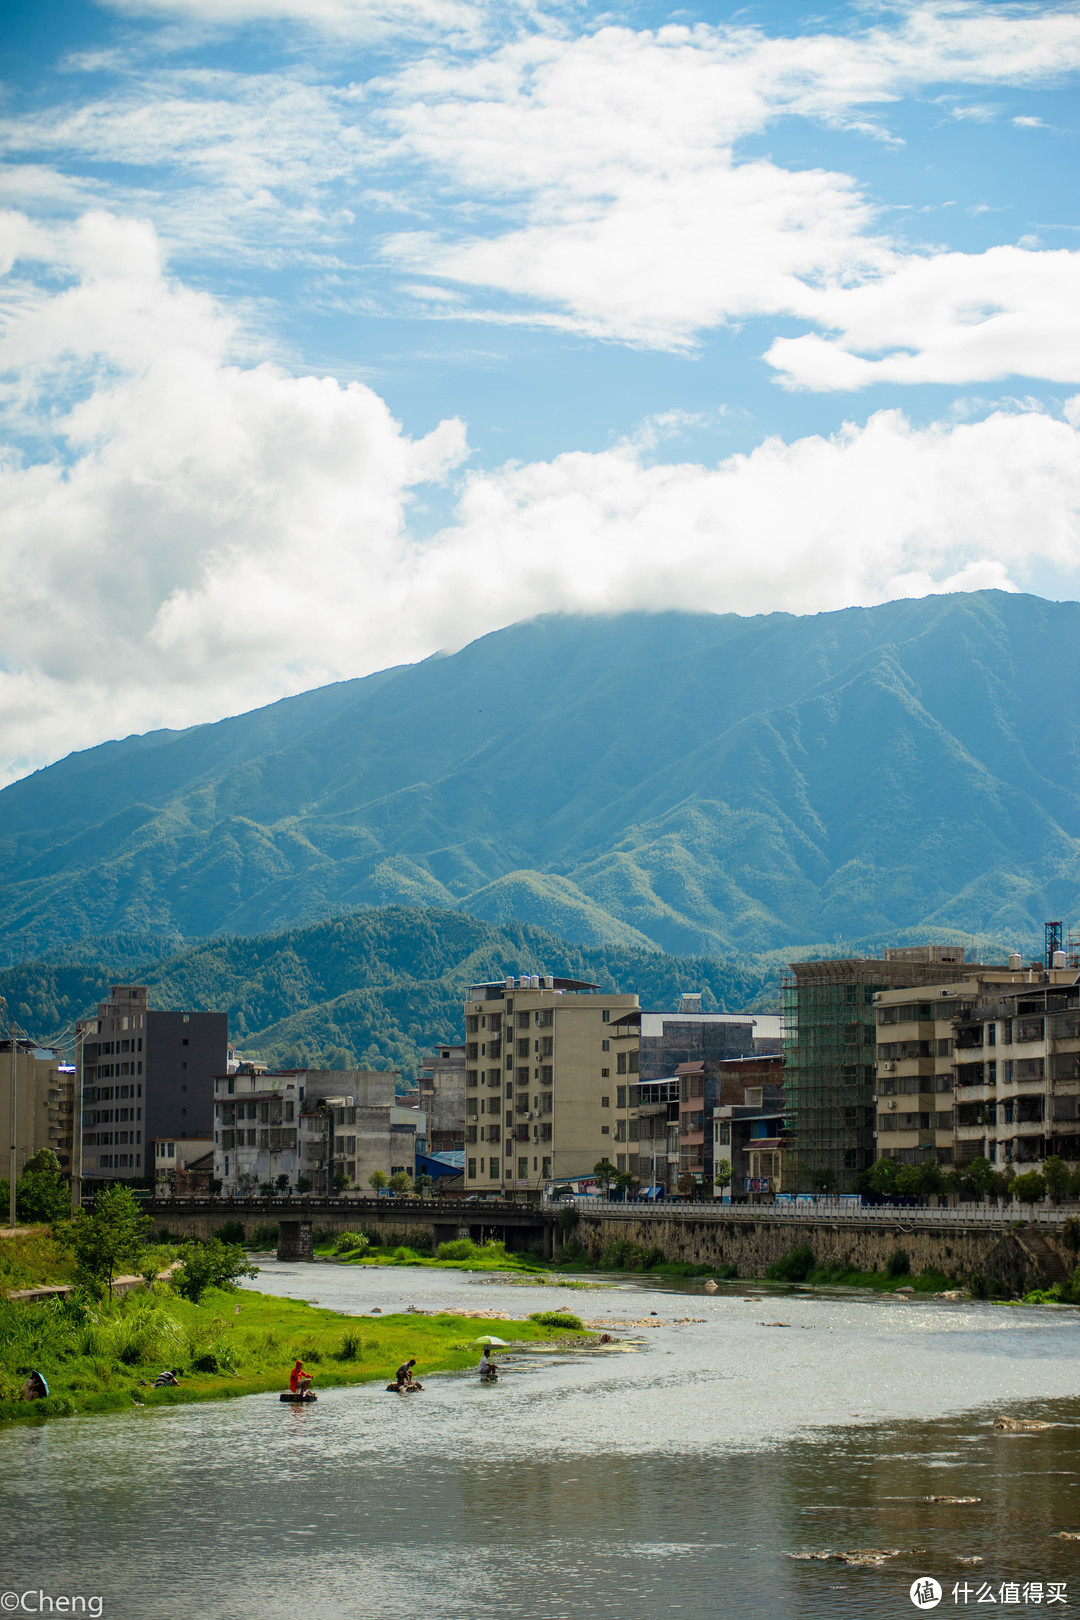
[213, 535]
[945, 318]
[353, 19]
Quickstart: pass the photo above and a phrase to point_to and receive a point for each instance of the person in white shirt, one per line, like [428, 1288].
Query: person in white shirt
[487, 1368]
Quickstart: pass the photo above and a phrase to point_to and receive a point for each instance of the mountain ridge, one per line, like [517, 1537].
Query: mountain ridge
[698, 783]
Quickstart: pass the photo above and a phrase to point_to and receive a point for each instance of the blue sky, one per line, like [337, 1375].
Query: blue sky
[338, 331]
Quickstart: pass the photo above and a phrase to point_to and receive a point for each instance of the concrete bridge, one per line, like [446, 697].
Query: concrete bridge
[417, 1222]
[1010, 1256]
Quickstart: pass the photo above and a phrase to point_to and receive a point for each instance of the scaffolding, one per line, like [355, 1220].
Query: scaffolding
[830, 1052]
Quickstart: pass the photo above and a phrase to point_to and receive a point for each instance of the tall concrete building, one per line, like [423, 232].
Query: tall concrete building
[44, 1105]
[987, 1067]
[541, 1058]
[145, 1074]
[830, 1051]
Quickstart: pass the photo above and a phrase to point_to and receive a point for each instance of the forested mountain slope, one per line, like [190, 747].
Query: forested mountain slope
[371, 988]
[695, 782]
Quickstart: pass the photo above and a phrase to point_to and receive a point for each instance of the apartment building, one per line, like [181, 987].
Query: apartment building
[146, 1074]
[986, 1067]
[748, 1128]
[1017, 1092]
[183, 1166]
[830, 1049]
[44, 1112]
[542, 1055]
[441, 1097]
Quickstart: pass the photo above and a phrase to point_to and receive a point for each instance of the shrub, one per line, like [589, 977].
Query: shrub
[231, 1232]
[322, 1234]
[263, 1237]
[457, 1249]
[652, 1257]
[314, 1356]
[727, 1272]
[163, 1235]
[898, 1264]
[558, 1319]
[210, 1265]
[349, 1349]
[1029, 1188]
[568, 1219]
[795, 1266]
[350, 1242]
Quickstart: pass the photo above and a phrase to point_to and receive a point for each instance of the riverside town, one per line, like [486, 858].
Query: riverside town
[539, 809]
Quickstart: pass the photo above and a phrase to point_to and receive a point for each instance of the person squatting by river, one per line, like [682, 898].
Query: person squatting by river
[404, 1375]
[487, 1369]
[299, 1380]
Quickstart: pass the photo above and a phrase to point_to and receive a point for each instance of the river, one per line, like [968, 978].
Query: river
[676, 1477]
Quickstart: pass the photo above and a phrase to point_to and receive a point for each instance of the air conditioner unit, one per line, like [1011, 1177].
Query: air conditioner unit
[888, 1067]
[892, 1105]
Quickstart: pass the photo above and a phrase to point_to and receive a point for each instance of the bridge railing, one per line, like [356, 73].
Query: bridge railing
[833, 1212]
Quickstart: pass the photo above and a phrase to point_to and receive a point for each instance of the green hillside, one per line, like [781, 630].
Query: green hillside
[370, 989]
[698, 783]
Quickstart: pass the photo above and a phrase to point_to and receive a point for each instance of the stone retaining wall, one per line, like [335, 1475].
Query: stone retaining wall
[1017, 1260]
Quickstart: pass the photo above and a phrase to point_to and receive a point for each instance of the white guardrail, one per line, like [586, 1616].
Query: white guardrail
[833, 1212]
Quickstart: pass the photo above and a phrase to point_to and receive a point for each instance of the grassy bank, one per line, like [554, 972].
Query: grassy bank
[93, 1355]
[40, 1258]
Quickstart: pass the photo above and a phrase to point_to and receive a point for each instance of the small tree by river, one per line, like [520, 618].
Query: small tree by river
[112, 1236]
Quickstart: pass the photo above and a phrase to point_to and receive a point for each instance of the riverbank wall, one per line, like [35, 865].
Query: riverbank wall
[1013, 1260]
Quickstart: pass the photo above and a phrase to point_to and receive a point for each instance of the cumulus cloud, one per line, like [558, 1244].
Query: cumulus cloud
[195, 535]
[636, 219]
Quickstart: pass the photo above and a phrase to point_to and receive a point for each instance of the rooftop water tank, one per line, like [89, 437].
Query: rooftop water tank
[1059, 959]
[1014, 962]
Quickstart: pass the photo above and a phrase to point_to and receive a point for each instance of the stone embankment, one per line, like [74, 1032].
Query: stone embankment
[1014, 1259]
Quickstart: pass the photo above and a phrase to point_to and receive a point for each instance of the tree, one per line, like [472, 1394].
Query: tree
[282, 1183]
[1029, 1188]
[423, 1184]
[1058, 1177]
[723, 1175]
[210, 1265]
[605, 1173]
[341, 1181]
[377, 1180]
[246, 1184]
[909, 1180]
[266, 1189]
[111, 1236]
[41, 1193]
[623, 1182]
[823, 1180]
[400, 1181]
[303, 1184]
[970, 1178]
[880, 1178]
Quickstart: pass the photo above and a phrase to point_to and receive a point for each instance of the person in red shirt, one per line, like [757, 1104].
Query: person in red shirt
[299, 1380]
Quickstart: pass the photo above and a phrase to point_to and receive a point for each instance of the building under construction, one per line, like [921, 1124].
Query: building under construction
[830, 1050]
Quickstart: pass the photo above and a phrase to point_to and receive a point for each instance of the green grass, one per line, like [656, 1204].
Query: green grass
[94, 1355]
[927, 1282]
[41, 1259]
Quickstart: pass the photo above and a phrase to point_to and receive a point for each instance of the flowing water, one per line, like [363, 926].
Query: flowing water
[678, 1477]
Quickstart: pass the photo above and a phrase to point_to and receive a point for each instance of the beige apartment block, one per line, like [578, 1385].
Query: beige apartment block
[541, 1058]
[941, 1068]
[44, 1105]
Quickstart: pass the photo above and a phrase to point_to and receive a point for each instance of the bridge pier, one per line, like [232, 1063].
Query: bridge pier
[294, 1241]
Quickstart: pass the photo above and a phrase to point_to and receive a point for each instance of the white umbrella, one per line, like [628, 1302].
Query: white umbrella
[489, 1338]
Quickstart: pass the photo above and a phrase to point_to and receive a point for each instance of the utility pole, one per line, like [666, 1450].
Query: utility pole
[13, 1167]
[77, 1122]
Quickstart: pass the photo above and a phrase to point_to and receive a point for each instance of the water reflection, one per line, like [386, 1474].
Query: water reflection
[681, 1479]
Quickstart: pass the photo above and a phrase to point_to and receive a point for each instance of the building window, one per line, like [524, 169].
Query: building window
[620, 1096]
[605, 1074]
[605, 1102]
[605, 1046]
[605, 1130]
[523, 1170]
[606, 1015]
[186, 1043]
[493, 1169]
[472, 1169]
